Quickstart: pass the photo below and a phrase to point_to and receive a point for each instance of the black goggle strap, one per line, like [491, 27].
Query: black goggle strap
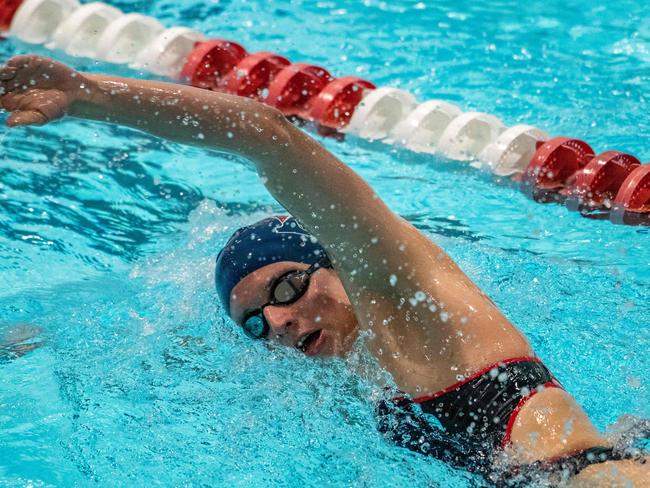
[323, 262]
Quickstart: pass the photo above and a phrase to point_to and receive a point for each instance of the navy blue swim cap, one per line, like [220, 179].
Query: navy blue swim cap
[271, 240]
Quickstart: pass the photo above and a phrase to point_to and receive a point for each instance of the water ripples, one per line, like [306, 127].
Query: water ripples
[108, 238]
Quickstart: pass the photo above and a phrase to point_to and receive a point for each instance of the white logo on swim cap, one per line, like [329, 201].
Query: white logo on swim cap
[290, 226]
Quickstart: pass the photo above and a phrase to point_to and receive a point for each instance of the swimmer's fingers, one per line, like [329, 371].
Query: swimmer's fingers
[25, 73]
[34, 108]
[7, 72]
[13, 72]
[37, 90]
[27, 117]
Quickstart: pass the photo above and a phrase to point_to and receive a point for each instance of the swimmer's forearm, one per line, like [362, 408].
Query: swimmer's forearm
[285, 157]
[311, 183]
[182, 114]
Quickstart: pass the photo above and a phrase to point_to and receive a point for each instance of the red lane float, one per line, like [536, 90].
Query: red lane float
[560, 169]
[598, 182]
[211, 61]
[7, 11]
[632, 202]
[334, 105]
[634, 194]
[254, 73]
[293, 88]
[553, 167]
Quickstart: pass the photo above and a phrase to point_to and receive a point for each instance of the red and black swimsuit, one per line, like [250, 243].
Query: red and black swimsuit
[484, 406]
[476, 414]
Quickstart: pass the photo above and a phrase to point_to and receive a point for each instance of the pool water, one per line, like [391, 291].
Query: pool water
[124, 371]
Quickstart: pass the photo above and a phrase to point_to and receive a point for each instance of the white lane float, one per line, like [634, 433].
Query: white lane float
[511, 152]
[36, 20]
[97, 30]
[166, 54]
[379, 111]
[468, 134]
[420, 131]
[78, 34]
[126, 37]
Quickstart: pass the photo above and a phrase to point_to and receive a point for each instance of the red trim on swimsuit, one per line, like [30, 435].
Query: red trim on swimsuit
[474, 376]
[520, 405]
[484, 406]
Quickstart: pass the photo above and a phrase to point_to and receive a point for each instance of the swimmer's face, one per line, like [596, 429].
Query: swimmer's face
[320, 323]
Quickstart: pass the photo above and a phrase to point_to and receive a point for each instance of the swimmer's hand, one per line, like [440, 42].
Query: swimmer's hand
[38, 90]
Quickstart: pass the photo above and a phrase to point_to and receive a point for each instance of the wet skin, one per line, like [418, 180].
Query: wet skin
[550, 424]
[427, 322]
[324, 307]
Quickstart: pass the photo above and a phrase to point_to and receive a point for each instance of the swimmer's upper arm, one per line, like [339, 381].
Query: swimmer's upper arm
[337, 206]
[368, 242]
[381, 259]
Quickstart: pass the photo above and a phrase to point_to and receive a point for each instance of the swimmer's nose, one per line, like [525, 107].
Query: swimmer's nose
[282, 323]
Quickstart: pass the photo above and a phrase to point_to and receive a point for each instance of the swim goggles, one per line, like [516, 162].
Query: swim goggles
[285, 290]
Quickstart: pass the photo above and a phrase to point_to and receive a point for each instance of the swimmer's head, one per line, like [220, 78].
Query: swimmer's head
[275, 280]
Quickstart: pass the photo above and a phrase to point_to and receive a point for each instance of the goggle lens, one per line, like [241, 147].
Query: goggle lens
[286, 290]
[290, 287]
[255, 327]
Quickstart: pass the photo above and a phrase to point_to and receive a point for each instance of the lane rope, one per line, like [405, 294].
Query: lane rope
[558, 169]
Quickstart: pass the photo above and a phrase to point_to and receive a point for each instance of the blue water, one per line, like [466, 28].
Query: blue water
[108, 236]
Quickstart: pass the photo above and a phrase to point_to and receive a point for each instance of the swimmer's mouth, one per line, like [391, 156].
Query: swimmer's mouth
[307, 340]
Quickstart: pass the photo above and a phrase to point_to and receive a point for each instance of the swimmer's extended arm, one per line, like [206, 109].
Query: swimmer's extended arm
[347, 217]
[393, 274]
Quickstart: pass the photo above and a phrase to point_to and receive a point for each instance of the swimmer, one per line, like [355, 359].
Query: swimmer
[16, 340]
[345, 264]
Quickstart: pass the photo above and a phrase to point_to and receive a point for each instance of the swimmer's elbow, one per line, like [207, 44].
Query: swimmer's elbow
[276, 117]
[277, 134]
